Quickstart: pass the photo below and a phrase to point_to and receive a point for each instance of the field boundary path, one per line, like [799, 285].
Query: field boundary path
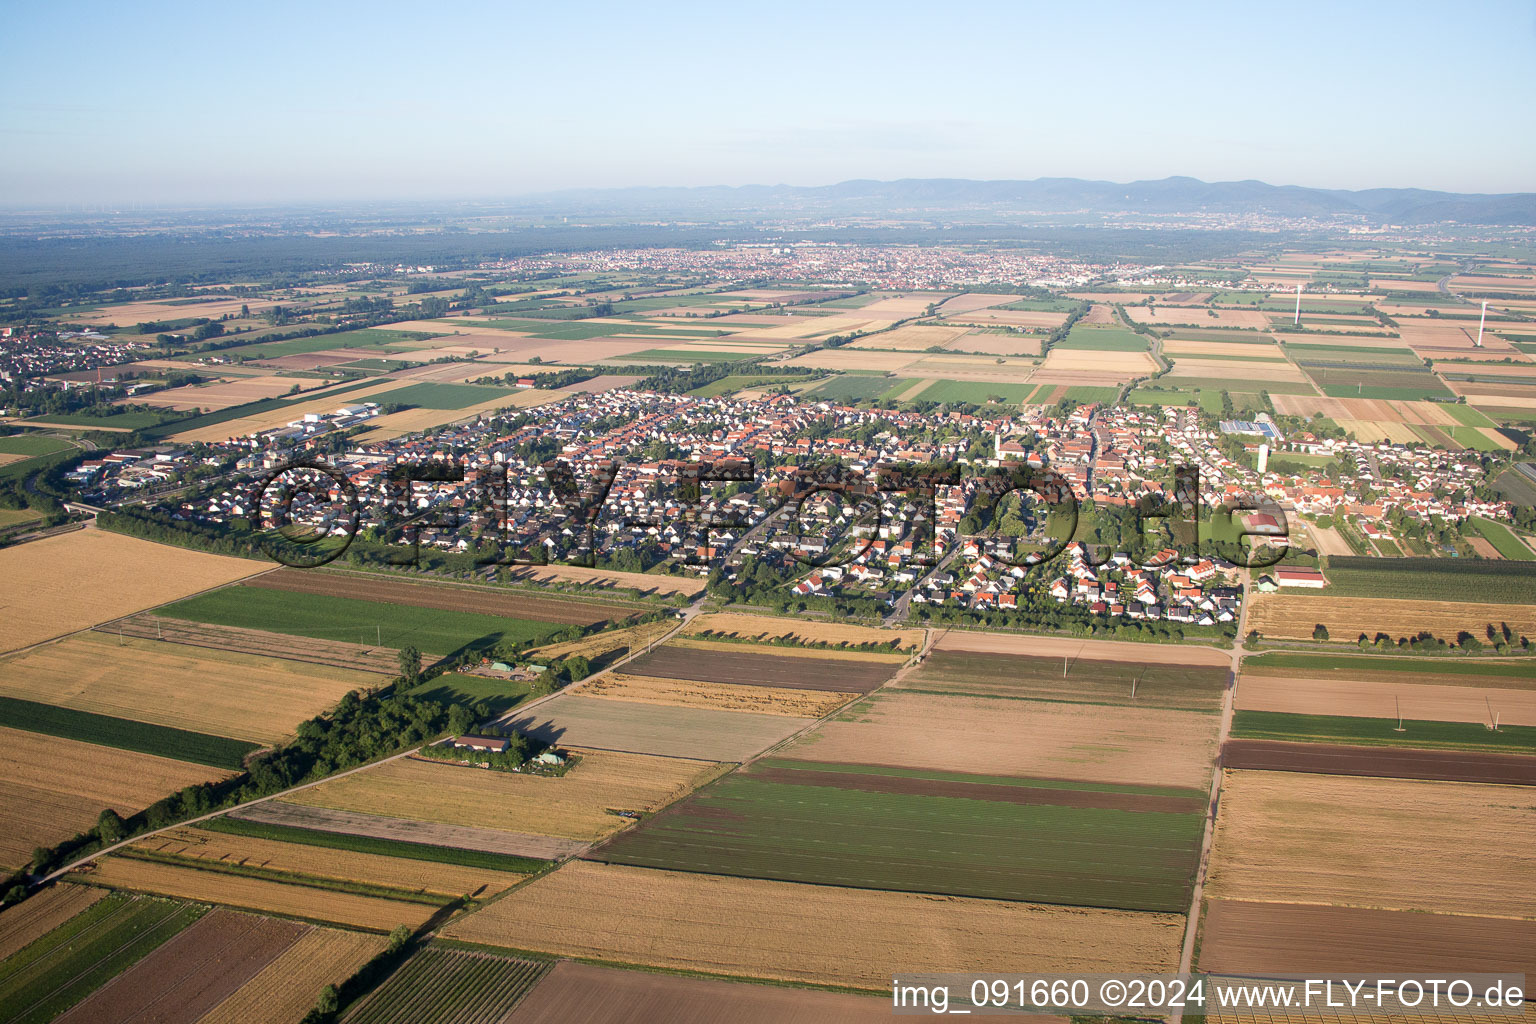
[1228, 703]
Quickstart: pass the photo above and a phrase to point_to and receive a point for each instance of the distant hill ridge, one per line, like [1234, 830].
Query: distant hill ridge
[1067, 195]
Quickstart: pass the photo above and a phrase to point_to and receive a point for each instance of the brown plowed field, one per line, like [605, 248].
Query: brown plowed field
[991, 792]
[753, 669]
[1380, 762]
[190, 974]
[443, 597]
[1298, 939]
[410, 830]
[336, 653]
[992, 736]
[601, 995]
[1359, 698]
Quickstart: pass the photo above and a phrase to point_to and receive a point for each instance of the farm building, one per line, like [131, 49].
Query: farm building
[484, 744]
[1300, 576]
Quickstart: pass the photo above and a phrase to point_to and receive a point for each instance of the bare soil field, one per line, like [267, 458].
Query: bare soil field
[286, 988]
[26, 922]
[699, 734]
[847, 358]
[257, 894]
[1122, 364]
[759, 667]
[997, 344]
[1234, 370]
[325, 862]
[52, 788]
[126, 575]
[1011, 318]
[972, 301]
[408, 830]
[606, 578]
[1278, 837]
[1380, 762]
[191, 973]
[444, 596]
[225, 394]
[178, 686]
[1356, 698]
[1198, 317]
[1328, 539]
[1223, 349]
[575, 805]
[602, 995]
[1286, 938]
[688, 693]
[1063, 647]
[807, 933]
[799, 630]
[376, 661]
[1293, 617]
[912, 338]
[986, 736]
[126, 314]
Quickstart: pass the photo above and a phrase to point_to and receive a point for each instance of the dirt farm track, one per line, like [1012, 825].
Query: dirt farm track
[1380, 762]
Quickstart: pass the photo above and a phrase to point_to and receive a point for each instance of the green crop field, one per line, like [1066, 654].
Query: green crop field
[1103, 339]
[32, 445]
[456, 688]
[371, 337]
[69, 963]
[583, 330]
[1310, 353]
[446, 986]
[1471, 437]
[1208, 399]
[1506, 543]
[1092, 394]
[966, 673]
[370, 844]
[739, 381]
[343, 618]
[1457, 671]
[974, 392]
[447, 396]
[858, 387]
[125, 420]
[1468, 416]
[125, 734]
[1277, 725]
[1394, 385]
[1432, 579]
[1124, 847]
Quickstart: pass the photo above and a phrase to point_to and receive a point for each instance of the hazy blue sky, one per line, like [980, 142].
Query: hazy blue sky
[113, 102]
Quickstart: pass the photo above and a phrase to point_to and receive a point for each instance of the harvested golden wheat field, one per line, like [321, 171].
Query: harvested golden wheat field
[1133, 746]
[242, 696]
[1072, 649]
[1442, 847]
[306, 902]
[285, 990]
[599, 644]
[325, 862]
[808, 933]
[574, 805]
[29, 921]
[79, 579]
[1293, 617]
[51, 788]
[766, 627]
[609, 579]
[910, 338]
[687, 693]
[728, 647]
